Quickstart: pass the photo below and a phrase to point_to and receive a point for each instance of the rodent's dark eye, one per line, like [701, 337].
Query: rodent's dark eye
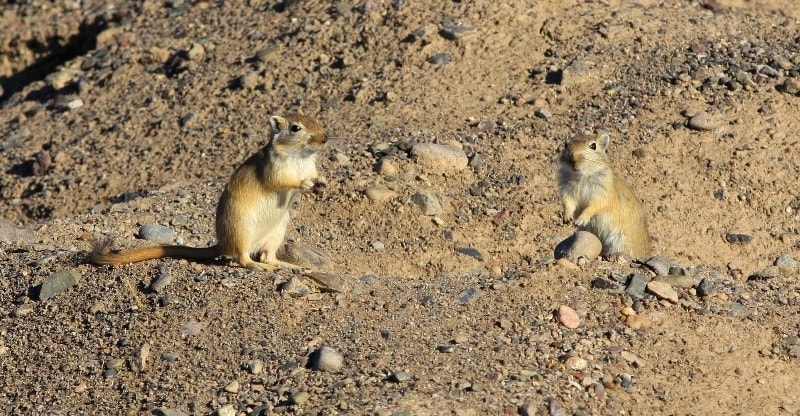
[294, 128]
[593, 146]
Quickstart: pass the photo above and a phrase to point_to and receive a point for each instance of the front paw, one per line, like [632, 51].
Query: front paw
[307, 184]
[582, 221]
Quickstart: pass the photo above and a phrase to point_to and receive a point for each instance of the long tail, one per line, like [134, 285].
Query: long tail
[101, 254]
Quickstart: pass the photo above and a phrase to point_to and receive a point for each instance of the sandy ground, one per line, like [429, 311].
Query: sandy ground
[117, 115]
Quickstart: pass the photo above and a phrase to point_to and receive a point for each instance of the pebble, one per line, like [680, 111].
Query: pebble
[453, 32]
[568, 317]
[605, 284]
[169, 356]
[791, 86]
[567, 264]
[683, 282]
[439, 158]
[162, 281]
[703, 121]
[58, 282]
[554, 408]
[196, 52]
[469, 251]
[637, 283]
[785, 261]
[140, 357]
[706, 288]
[255, 367]
[329, 282]
[379, 194]
[476, 161]
[387, 167]
[326, 359]
[12, 233]
[156, 233]
[440, 58]
[770, 272]
[543, 113]
[428, 202]
[60, 79]
[663, 290]
[782, 62]
[75, 104]
[295, 287]
[468, 295]
[300, 397]
[448, 349]
[576, 363]
[660, 265]
[369, 279]
[227, 410]
[735, 238]
[399, 377]
[232, 387]
[581, 244]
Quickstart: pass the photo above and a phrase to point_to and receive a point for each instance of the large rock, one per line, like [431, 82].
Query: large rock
[437, 158]
[580, 244]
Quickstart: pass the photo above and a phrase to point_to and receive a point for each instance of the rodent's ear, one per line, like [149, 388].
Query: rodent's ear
[603, 141]
[278, 123]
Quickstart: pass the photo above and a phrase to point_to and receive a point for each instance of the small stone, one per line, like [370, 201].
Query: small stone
[60, 79]
[605, 284]
[785, 261]
[770, 272]
[663, 291]
[576, 363]
[543, 113]
[782, 62]
[468, 295]
[453, 32]
[581, 244]
[379, 194]
[300, 397]
[626, 380]
[162, 281]
[169, 356]
[387, 167]
[567, 264]
[706, 288]
[703, 121]
[110, 373]
[227, 410]
[232, 387]
[255, 367]
[683, 282]
[440, 58]
[660, 265]
[399, 377]
[554, 408]
[75, 104]
[568, 317]
[326, 359]
[114, 363]
[264, 53]
[295, 287]
[637, 283]
[628, 311]
[369, 279]
[791, 86]
[156, 233]
[196, 52]
[448, 349]
[139, 359]
[428, 202]
[734, 238]
[469, 251]
[58, 282]
[329, 282]
[439, 158]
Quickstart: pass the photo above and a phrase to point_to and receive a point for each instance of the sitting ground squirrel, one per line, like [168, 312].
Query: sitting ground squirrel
[600, 201]
[253, 211]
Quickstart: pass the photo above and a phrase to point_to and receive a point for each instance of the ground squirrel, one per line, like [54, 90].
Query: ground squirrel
[253, 211]
[600, 201]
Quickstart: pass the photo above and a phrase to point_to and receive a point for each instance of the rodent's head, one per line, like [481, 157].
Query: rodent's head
[297, 133]
[585, 153]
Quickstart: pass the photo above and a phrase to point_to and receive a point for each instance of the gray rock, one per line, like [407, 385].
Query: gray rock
[782, 62]
[637, 283]
[329, 282]
[770, 272]
[660, 265]
[399, 377]
[542, 112]
[437, 158]
[580, 244]
[707, 288]
[605, 284]
[12, 233]
[156, 233]
[663, 290]
[162, 281]
[785, 261]
[295, 287]
[735, 238]
[440, 58]
[369, 279]
[469, 251]
[683, 282]
[379, 193]
[326, 359]
[453, 32]
[428, 202]
[468, 295]
[703, 121]
[58, 282]
[300, 397]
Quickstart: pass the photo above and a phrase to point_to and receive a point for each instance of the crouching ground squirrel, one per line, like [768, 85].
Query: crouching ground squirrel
[599, 200]
[253, 211]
